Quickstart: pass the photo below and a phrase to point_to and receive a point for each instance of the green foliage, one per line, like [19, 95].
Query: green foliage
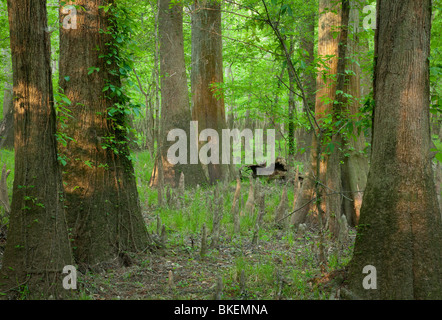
[7, 158]
[438, 148]
[62, 104]
[436, 63]
[119, 58]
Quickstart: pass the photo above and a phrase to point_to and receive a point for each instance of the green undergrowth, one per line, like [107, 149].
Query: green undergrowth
[283, 264]
[7, 158]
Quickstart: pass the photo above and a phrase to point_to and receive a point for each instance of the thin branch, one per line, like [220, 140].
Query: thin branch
[313, 199]
[241, 15]
[273, 122]
[294, 211]
[285, 85]
[243, 42]
[291, 66]
[243, 6]
[139, 83]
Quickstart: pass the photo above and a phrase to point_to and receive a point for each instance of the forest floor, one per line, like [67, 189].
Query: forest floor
[283, 264]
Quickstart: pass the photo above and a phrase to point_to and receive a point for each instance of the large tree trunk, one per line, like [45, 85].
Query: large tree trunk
[400, 224]
[103, 206]
[206, 75]
[175, 106]
[38, 246]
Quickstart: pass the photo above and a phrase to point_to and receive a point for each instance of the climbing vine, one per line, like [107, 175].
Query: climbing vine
[118, 55]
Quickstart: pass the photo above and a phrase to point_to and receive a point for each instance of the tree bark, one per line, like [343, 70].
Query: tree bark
[304, 135]
[7, 124]
[400, 223]
[355, 169]
[103, 206]
[291, 110]
[207, 75]
[175, 106]
[38, 246]
[323, 174]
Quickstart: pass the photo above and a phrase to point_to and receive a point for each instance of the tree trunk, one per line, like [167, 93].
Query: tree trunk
[156, 76]
[304, 135]
[400, 224]
[355, 169]
[7, 124]
[103, 206]
[38, 246]
[175, 107]
[207, 76]
[326, 171]
[291, 110]
[438, 180]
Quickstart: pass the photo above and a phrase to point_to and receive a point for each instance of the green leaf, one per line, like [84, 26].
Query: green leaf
[62, 161]
[92, 69]
[289, 11]
[330, 147]
[136, 111]
[66, 100]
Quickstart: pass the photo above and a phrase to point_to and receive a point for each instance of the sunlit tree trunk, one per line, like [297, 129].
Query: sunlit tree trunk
[175, 106]
[400, 225]
[38, 246]
[323, 178]
[343, 184]
[207, 76]
[103, 206]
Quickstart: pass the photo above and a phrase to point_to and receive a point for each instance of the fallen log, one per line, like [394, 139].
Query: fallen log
[280, 171]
